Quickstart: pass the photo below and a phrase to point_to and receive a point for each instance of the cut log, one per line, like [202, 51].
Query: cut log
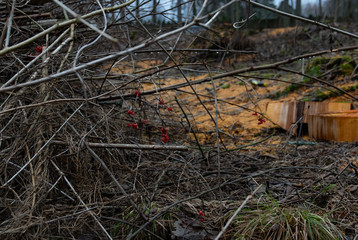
[286, 114]
[283, 114]
[334, 126]
[312, 108]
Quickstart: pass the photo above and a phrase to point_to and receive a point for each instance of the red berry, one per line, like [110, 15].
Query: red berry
[201, 213]
[165, 138]
[170, 109]
[255, 114]
[164, 131]
[201, 220]
[39, 49]
[133, 125]
[161, 102]
[130, 112]
[144, 121]
[137, 93]
[261, 121]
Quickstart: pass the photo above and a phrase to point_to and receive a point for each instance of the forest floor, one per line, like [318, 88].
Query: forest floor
[296, 172]
[64, 179]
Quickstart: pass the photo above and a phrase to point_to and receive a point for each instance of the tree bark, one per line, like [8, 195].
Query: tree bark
[154, 11]
[194, 9]
[286, 21]
[137, 9]
[298, 7]
[179, 11]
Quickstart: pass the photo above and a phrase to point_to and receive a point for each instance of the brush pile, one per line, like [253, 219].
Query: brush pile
[89, 151]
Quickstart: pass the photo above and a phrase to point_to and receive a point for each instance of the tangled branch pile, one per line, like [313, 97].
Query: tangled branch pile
[68, 157]
[88, 151]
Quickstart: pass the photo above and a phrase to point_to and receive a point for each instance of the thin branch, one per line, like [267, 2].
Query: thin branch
[190, 128]
[50, 102]
[94, 62]
[116, 182]
[81, 19]
[197, 50]
[237, 212]
[8, 33]
[60, 25]
[81, 201]
[38, 15]
[228, 182]
[42, 148]
[35, 59]
[301, 18]
[242, 70]
[319, 80]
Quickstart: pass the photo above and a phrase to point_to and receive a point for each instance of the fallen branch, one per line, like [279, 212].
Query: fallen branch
[130, 146]
[196, 50]
[37, 15]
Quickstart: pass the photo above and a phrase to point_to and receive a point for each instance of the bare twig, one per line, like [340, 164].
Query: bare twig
[8, 33]
[190, 128]
[60, 25]
[82, 20]
[248, 69]
[116, 182]
[42, 148]
[302, 19]
[81, 201]
[237, 212]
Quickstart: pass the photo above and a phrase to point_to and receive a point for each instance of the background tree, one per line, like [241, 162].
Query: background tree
[336, 10]
[137, 9]
[154, 11]
[298, 7]
[320, 8]
[284, 6]
[179, 9]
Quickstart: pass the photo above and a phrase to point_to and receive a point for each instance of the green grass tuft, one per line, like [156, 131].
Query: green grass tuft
[274, 222]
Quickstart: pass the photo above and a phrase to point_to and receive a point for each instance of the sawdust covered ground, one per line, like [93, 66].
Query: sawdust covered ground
[294, 171]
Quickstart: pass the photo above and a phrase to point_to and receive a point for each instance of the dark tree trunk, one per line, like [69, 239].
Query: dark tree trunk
[137, 9]
[154, 11]
[298, 7]
[179, 11]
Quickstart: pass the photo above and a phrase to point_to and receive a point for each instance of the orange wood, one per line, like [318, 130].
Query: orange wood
[312, 108]
[335, 126]
[283, 114]
[286, 114]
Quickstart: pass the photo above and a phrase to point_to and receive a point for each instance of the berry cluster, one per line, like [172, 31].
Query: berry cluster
[165, 137]
[260, 120]
[130, 112]
[202, 215]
